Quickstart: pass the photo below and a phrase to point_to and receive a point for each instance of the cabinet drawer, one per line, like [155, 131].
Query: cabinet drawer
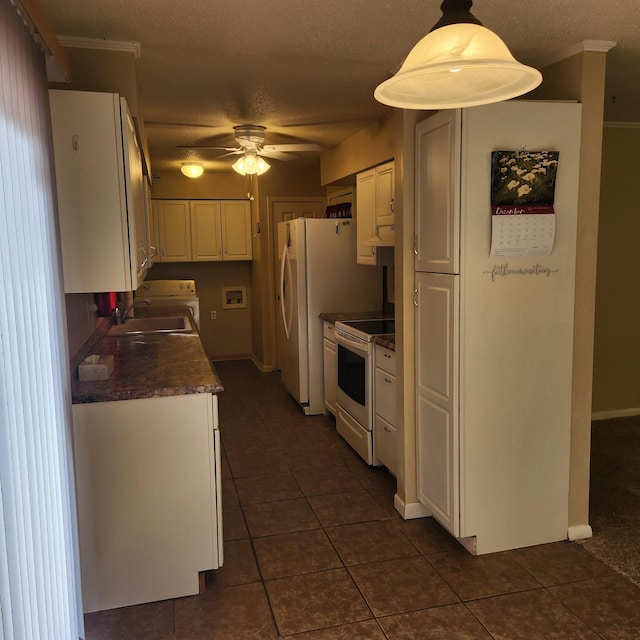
[328, 329]
[385, 444]
[385, 358]
[385, 396]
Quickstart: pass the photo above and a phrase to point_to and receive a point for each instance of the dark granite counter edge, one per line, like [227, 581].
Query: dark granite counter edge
[388, 340]
[352, 315]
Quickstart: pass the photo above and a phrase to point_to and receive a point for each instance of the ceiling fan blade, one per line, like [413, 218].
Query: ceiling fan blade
[276, 155]
[207, 147]
[235, 152]
[291, 147]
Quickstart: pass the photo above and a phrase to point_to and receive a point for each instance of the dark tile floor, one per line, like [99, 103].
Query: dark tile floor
[315, 551]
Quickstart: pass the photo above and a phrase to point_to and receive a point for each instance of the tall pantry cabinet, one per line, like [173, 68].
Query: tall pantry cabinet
[494, 333]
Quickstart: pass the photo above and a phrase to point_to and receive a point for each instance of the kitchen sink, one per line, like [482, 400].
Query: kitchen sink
[154, 324]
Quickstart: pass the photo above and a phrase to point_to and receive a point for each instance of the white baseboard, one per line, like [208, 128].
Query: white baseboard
[579, 532]
[263, 368]
[411, 510]
[616, 413]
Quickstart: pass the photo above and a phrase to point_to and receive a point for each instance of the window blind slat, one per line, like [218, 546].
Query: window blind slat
[39, 572]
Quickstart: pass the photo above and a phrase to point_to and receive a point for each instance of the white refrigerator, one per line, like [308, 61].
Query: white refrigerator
[318, 274]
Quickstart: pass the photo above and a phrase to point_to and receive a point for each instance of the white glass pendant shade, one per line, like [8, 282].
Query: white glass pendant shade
[250, 164]
[458, 65]
[192, 169]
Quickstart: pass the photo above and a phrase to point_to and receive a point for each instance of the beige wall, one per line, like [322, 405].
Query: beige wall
[367, 148]
[617, 348]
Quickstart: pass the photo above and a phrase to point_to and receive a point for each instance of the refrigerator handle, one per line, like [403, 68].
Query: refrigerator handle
[285, 259]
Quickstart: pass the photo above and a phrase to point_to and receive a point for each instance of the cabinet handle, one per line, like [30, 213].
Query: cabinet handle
[415, 297]
[415, 245]
[387, 355]
[392, 203]
[387, 380]
[387, 429]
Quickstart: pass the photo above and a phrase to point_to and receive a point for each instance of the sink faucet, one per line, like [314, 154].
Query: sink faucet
[120, 316]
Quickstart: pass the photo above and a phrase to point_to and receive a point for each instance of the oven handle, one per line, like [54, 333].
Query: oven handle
[350, 342]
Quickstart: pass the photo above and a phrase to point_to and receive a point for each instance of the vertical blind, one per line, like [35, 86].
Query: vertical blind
[39, 583]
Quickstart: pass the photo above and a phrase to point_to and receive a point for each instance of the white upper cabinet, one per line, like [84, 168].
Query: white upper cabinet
[385, 195]
[365, 215]
[102, 214]
[375, 189]
[204, 230]
[437, 230]
[235, 218]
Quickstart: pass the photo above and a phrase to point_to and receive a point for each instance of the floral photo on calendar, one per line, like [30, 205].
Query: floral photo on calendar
[523, 180]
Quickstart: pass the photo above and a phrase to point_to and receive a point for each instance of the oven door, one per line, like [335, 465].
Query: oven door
[354, 391]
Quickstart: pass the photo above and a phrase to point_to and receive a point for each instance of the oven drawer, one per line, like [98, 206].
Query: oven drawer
[357, 436]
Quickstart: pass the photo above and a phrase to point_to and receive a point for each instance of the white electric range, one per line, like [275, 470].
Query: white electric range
[354, 354]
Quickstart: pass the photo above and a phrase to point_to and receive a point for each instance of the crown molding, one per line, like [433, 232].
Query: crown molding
[101, 44]
[602, 46]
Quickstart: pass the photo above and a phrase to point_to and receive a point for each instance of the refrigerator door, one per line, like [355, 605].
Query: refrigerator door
[294, 359]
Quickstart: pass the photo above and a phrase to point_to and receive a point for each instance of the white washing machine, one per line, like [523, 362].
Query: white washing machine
[171, 293]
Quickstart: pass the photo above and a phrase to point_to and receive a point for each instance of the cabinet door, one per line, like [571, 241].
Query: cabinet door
[385, 194]
[174, 228]
[385, 395]
[437, 353]
[205, 230]
[386, 444]
[236, 230]
[91, 191]
[330, 375]
[147, 494]
[136, 205]
[365, 215]
[437, 243]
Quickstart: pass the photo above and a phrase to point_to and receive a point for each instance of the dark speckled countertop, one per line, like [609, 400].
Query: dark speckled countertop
[387, 340]
[353, 315]
[145, 366]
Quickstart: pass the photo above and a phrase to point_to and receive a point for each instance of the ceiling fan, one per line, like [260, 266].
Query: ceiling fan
[250, 139]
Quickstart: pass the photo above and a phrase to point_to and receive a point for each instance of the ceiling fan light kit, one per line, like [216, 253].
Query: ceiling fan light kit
[250, 164]
[192, 169]
[459, 63]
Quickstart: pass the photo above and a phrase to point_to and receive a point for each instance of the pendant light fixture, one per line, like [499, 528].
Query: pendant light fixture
[192, 169]
[459, 63]
[250, 163]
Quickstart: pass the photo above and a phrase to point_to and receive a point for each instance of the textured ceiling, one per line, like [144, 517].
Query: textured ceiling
[307, 70]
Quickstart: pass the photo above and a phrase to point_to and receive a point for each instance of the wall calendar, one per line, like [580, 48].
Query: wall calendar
[522, 197]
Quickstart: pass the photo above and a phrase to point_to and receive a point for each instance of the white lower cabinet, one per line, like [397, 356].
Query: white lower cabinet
[384, 437]
[149, 498]
[329, 367]
[437, 339]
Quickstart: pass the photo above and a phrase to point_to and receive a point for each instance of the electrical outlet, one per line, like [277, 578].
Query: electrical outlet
[213, 315]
